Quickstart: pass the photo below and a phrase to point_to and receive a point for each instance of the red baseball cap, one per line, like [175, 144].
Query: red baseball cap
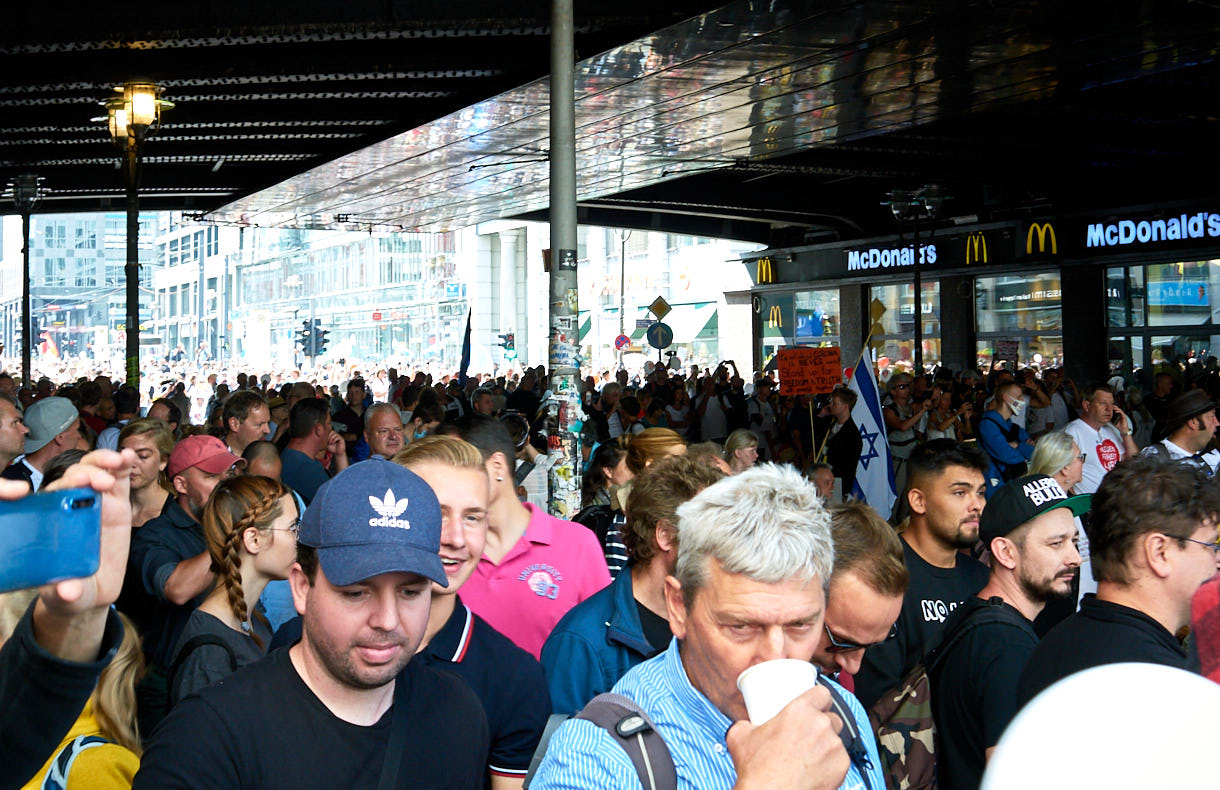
[206, 452]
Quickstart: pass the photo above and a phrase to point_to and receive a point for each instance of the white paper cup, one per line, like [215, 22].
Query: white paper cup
[769, 686]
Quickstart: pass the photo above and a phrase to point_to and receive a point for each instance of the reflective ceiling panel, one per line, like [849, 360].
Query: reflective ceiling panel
[748, 82]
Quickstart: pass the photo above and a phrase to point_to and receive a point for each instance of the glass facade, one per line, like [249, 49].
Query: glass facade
[894, 344]
[1160, 312]
[1026, 308]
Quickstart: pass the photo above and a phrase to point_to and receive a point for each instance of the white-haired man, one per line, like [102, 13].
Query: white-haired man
[754, 556]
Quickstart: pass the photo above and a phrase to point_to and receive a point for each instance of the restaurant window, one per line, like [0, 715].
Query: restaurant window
[1025, 308]
[895, 344]
[816, 317]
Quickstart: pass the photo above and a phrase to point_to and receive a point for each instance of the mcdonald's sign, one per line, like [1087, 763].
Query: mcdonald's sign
[765, 271]
[776, 319]
[976, 248]
[1044, 230]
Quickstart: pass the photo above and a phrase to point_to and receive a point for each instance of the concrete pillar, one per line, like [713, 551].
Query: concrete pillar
[853, 321]
[1084, 323]
[508, 280]
[957, 337]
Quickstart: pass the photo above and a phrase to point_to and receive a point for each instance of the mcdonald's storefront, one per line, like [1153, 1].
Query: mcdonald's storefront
[1115, 289]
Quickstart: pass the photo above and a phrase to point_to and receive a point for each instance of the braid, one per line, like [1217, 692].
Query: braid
[244, 502]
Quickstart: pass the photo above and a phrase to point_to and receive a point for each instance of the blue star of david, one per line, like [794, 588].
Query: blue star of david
[870, 439]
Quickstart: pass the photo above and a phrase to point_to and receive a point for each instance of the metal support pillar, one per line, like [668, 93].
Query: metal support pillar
[27, 337]
[563, 410]
[132, 269]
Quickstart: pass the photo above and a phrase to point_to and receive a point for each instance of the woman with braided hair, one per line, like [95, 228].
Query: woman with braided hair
[251, 525]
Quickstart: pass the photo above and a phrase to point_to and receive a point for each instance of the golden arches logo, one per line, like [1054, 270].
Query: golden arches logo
[976, 248]
[1043, 229]
[776, 319]
[764, 272]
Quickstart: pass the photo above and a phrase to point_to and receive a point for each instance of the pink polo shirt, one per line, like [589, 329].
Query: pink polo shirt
[554, 566]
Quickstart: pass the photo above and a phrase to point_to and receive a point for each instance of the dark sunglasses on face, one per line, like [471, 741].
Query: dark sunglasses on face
[837, 646]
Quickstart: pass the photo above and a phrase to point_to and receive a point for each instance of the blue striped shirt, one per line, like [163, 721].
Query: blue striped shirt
[582, 755]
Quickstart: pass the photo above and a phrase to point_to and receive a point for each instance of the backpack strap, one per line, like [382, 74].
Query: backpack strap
[630, 727]
[628, 724]
[57, 775]
[193, 644]
[853, 741]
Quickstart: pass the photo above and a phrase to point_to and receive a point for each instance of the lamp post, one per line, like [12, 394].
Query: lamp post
[911, 207]
[131, 117]
[26, 190]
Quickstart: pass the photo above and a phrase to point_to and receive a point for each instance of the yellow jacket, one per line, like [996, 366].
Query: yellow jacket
[105, 767]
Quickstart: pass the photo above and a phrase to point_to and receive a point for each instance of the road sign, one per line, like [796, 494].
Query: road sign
[621, 342]
[660, 335]
[660, 308]
[377, 315]
[643, 323]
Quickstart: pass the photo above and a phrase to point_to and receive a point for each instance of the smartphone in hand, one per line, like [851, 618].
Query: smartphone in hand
[49, 537]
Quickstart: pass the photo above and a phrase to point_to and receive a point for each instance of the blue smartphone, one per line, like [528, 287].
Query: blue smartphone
[49, 537]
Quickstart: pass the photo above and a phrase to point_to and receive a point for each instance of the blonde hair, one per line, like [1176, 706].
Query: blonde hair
[236, 505]
[114, 698]
[162, 437]
[649, 445]
[739, 440]
[444, 450]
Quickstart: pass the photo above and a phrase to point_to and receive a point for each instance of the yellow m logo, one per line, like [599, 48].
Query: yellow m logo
[764, 272]
[1043, 229]
[777, 317]
[976, 248]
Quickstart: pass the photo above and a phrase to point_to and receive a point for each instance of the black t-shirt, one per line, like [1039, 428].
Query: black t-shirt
[933, 593]
[509, 682]
[656, 628]
[1100, 633]
[974, 686]
[263, 728]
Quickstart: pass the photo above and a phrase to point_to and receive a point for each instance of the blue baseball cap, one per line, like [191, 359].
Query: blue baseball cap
[375, 517]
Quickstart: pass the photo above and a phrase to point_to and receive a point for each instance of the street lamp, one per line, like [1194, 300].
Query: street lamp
[131, 117]
[26, 190]
[910, 207]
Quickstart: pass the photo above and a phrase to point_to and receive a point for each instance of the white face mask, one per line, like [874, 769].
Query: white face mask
[1016, 405]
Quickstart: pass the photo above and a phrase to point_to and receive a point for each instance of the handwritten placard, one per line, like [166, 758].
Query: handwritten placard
[1006, 351]
[809, 371]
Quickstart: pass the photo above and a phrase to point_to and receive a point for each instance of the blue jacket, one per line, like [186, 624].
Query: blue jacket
[594, 645]
[992, 438]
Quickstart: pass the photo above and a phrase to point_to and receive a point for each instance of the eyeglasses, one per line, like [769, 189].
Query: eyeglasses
[294, 528]
[1083, 457]
[1215, 547]
[846, 647]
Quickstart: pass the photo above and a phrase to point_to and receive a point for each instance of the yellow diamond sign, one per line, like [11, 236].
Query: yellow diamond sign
[659, 308]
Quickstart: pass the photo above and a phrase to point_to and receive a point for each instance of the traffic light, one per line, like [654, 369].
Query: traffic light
[305, 338]
[319, 337]
[508, 341]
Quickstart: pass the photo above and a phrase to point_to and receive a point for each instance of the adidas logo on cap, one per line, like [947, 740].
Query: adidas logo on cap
[389, 509]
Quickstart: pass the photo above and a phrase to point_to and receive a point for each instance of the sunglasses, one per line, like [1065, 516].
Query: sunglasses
[837, 646]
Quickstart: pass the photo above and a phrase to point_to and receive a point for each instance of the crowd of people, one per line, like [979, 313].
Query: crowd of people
[356, 582]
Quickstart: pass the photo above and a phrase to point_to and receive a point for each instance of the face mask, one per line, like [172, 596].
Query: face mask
[419, 434]
[1017, 406]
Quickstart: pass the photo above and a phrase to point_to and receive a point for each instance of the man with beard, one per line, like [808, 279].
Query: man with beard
[345, 706]
[169, 557]
[945, 488]
[1029, 528]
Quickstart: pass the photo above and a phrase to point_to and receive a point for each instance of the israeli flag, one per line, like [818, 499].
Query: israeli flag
[875, 472]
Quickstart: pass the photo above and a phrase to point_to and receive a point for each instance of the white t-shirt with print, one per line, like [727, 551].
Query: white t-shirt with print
[1103, 449]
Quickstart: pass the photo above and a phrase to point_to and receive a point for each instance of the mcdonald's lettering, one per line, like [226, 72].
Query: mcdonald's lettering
[1044, 230]
[764, 272]
[1127, 231]
[976, 248]
[858, 260]
[776, 318]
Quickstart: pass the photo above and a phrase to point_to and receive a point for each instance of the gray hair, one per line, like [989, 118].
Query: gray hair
[767, 523]
[1052, 452]
[377, 408]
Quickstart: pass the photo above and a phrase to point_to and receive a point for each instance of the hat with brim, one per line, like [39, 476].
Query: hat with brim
[1187, 406]
[1024, 499]
[47, 419]
[372, 518]
[204, 452]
